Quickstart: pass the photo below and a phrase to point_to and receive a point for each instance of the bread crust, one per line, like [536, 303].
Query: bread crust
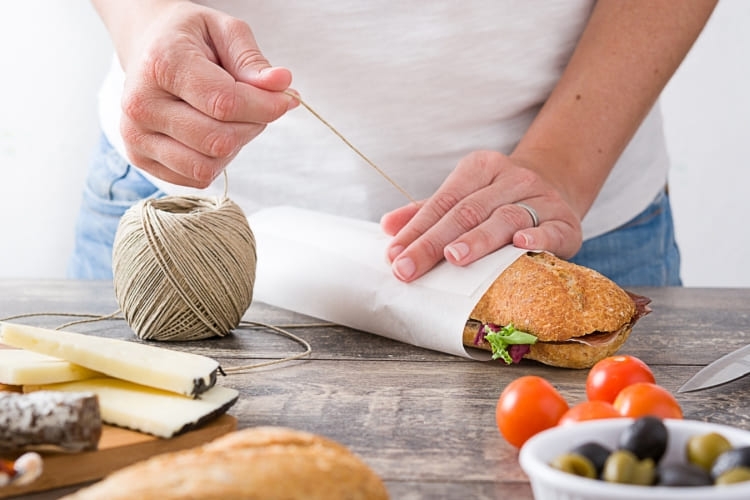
[554, 300]
[256, 463]
[572, 354]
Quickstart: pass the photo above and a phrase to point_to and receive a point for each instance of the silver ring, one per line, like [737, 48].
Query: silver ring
[532, 213]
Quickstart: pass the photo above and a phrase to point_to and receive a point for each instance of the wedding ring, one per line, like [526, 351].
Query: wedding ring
[532, 213]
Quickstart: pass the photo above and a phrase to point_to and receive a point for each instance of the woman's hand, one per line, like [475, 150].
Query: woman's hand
[197, 87]
[474, 213]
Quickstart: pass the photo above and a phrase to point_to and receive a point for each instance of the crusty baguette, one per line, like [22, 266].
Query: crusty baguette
[556, 301]
[256, 463]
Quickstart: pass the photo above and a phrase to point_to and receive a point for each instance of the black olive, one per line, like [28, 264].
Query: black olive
[595, 452]
[645, 438]
[682, 474]
[737, 457]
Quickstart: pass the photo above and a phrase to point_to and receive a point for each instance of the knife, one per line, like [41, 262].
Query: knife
[725, 369]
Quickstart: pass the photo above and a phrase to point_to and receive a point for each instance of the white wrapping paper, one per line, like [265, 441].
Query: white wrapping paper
[334, 268]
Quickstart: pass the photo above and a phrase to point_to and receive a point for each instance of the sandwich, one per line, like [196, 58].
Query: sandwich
[553, 311]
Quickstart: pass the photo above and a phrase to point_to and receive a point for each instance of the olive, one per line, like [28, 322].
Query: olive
[736, 457]
[622, 466]
[595, 452]
[646, 437]
[703, 449]
[736, 475]
[574, 464]
[682, 474]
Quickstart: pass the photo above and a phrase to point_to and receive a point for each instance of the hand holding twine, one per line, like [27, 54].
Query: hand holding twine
[184, 267]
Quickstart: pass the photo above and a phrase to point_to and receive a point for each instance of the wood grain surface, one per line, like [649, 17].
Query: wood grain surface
[117, 448]
[423, 420]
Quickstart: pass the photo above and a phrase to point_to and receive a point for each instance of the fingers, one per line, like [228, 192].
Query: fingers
[394, 221]
[201, 91]
[474, 213]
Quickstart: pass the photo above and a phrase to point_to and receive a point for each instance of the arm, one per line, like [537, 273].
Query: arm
[197, 87]
[626, 55]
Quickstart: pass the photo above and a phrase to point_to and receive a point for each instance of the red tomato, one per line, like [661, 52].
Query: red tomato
[643, 398]
[526, 406]
[611, 375]
[589, 410]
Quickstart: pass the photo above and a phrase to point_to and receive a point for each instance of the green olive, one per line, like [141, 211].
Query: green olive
[622, 466]
[619, 467]
[575, 464]
[736, 475]
[645, 472]
[702, 450]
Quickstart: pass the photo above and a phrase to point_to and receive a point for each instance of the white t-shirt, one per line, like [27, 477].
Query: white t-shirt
[415, 86]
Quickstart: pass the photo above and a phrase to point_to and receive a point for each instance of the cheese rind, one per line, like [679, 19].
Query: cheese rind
[21, 367]
[148, 410]
[181, 372]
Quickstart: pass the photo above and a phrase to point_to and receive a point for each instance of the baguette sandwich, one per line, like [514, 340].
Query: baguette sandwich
[553, 311]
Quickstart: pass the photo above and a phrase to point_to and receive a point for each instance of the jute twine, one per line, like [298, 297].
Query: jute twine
[184, 267]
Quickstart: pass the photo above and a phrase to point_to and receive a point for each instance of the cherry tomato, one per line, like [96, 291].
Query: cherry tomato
[526, 406]
[643, 398]
[611, 375]
[589, 410]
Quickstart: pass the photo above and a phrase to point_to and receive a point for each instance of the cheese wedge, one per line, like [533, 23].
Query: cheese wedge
[21, 367]
[148, 410]
[176, 371]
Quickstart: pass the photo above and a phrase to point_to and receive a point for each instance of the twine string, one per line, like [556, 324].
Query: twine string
[184, 266]
[351, 146]
[278, 329]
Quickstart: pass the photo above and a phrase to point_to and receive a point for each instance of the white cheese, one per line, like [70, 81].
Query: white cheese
[145, 409]
[20, 367]
[176, 371]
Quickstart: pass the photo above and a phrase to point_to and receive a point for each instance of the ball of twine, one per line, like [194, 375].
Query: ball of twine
[184, 267]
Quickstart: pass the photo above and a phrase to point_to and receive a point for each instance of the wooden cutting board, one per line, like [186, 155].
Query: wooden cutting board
[117, 448]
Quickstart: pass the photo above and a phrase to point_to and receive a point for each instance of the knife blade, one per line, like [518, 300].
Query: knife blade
[727, 368]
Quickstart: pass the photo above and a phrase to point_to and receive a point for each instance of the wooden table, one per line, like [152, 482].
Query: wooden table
[425, 421]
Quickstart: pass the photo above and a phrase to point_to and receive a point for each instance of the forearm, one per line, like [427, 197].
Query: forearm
[125, 20]
[626, 55]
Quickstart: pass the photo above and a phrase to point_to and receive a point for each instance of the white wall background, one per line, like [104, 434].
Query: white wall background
[54, 55]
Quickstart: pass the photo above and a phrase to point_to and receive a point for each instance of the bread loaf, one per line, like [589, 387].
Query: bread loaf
[266, 463]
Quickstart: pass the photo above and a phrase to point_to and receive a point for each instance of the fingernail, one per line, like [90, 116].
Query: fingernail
[458, 251]
[394, 252]
[404, 268]
[527, 241]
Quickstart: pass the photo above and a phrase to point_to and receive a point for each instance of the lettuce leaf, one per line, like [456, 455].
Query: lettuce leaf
[500, 338]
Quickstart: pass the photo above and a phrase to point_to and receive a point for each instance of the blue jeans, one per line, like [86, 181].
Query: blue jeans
[112, 186]
[642, 252]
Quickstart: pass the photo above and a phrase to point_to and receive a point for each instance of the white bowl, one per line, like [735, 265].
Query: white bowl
[548, 483]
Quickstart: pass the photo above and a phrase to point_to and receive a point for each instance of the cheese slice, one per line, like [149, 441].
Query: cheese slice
[181, 372]
[21, 367]
[148, 410]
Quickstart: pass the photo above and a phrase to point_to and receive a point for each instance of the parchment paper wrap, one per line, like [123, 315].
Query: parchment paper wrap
[334, 268]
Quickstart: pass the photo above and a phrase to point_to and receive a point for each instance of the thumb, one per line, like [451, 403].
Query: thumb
[241, 57]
